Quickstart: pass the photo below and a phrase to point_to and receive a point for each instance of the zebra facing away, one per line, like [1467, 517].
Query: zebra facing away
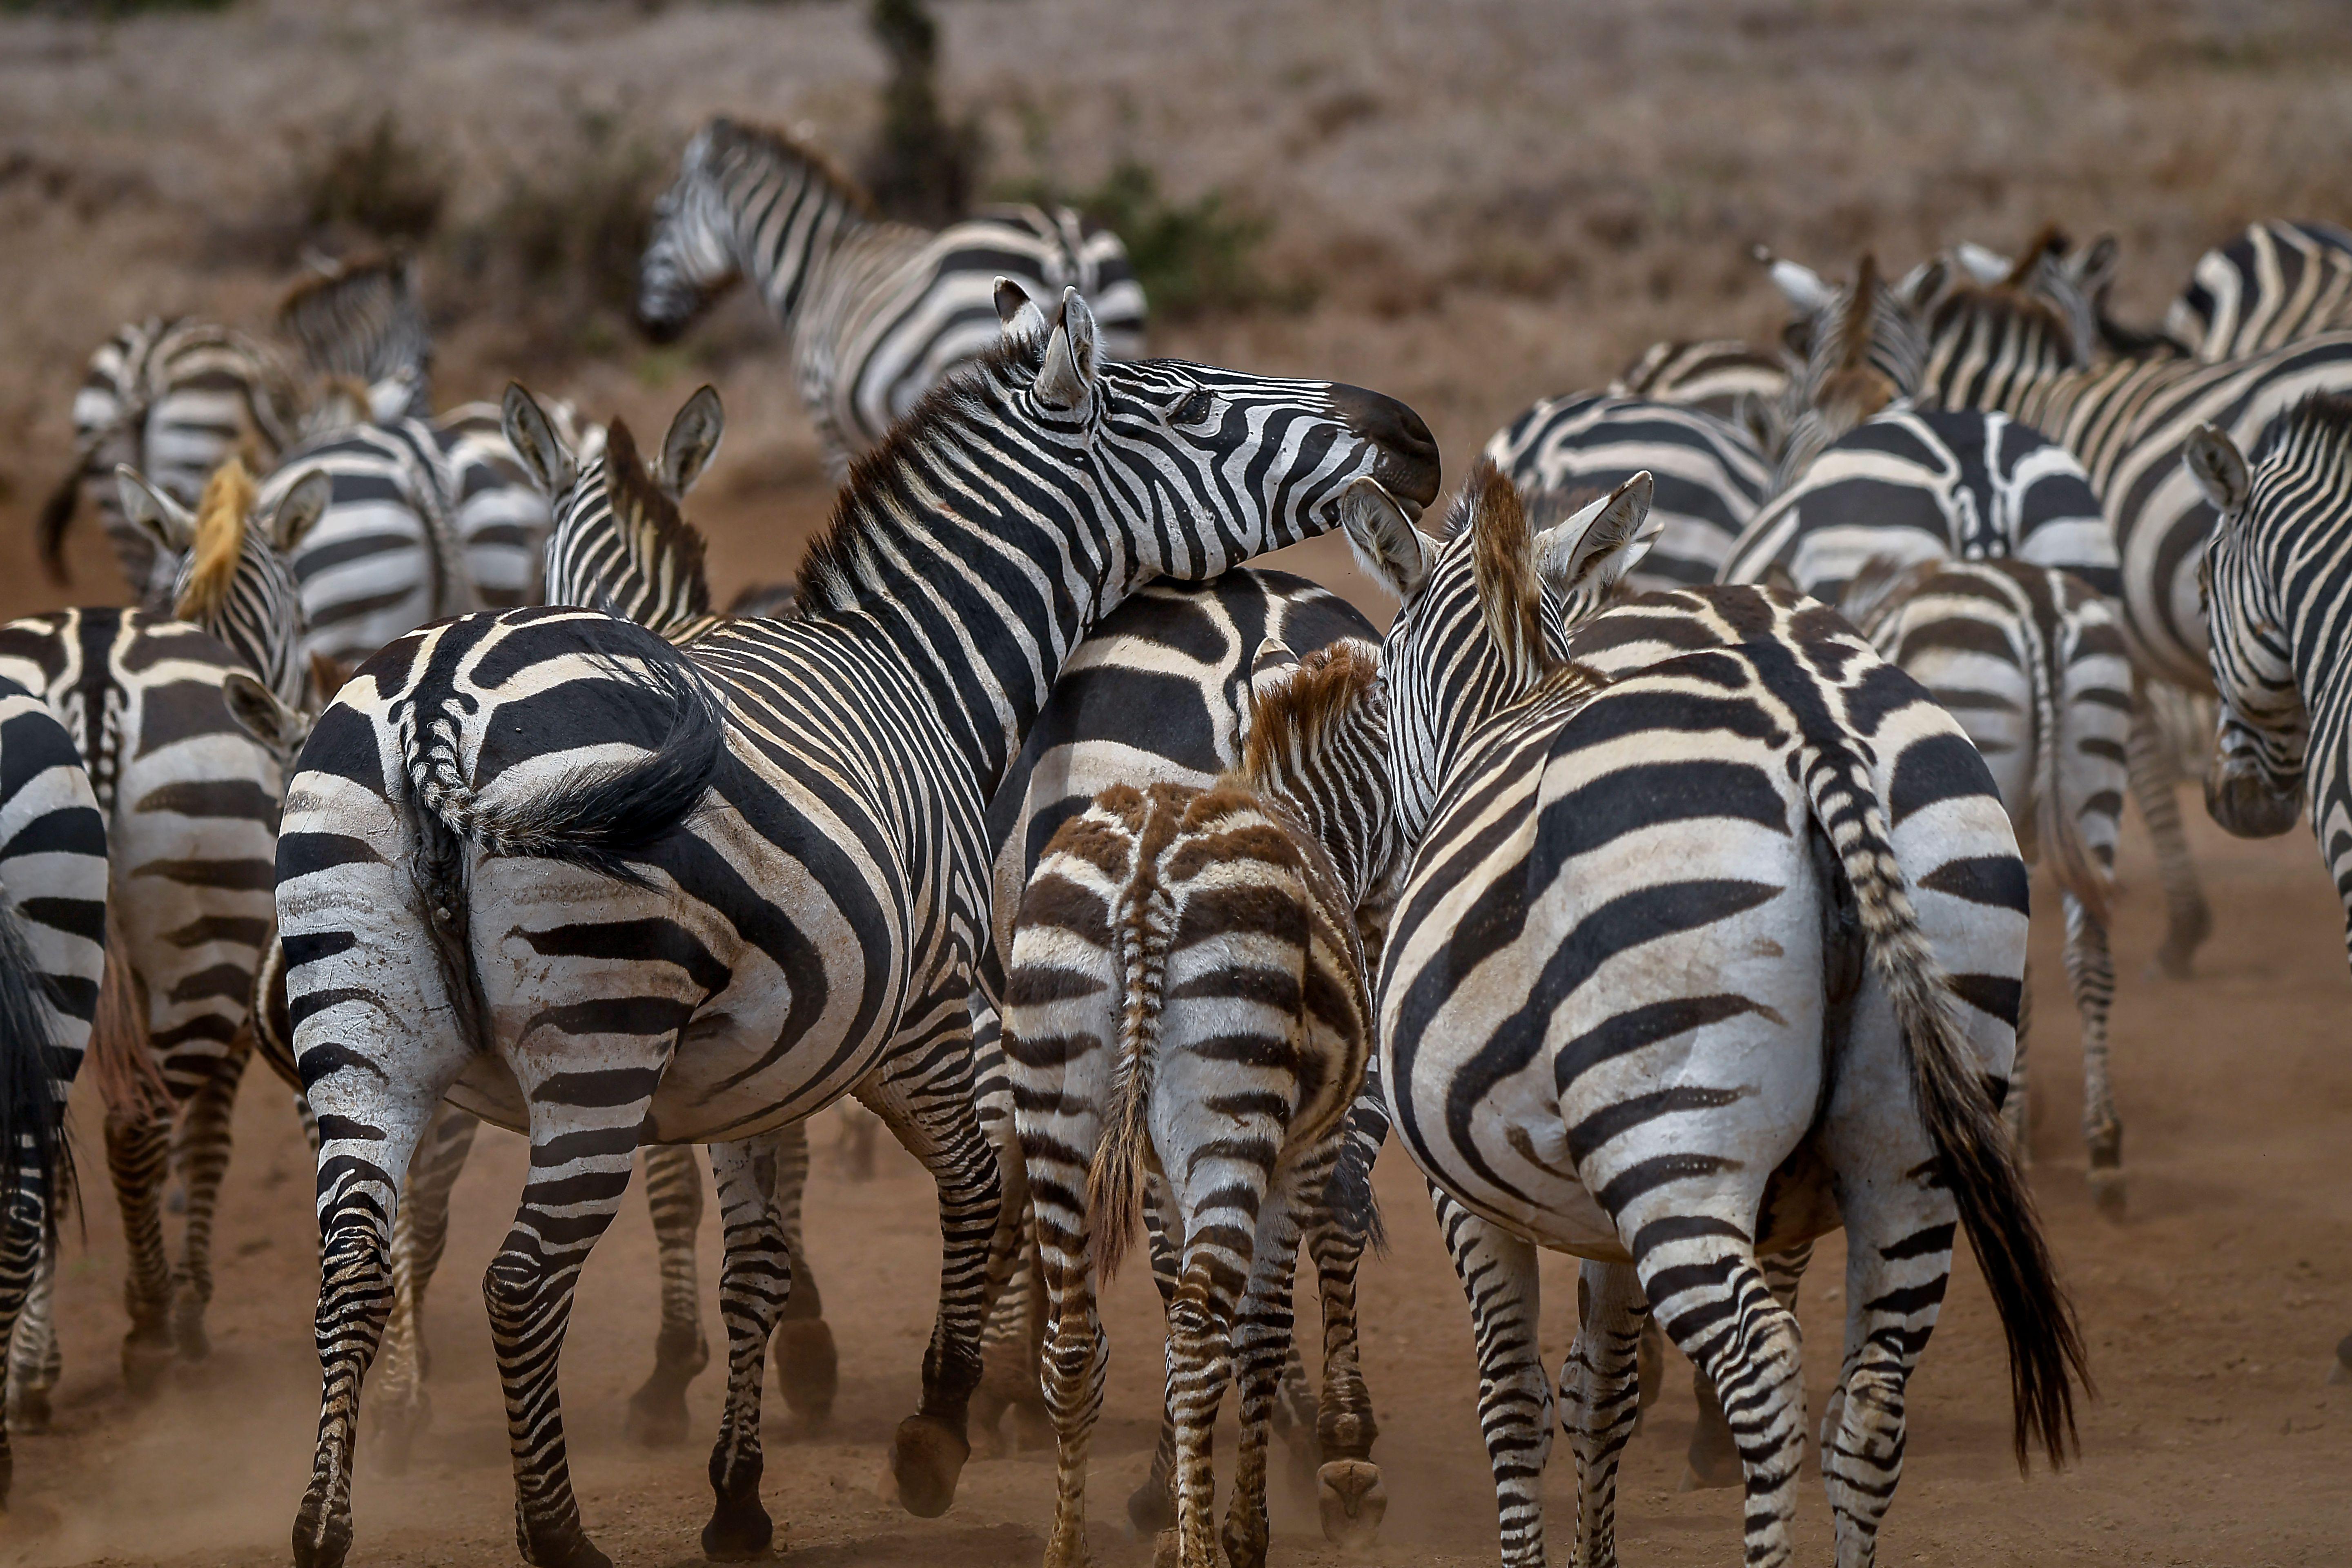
[52, 956]
[2275, 590]
[633, 894]
[878, 312]
[2032, 664]
[1738, 382]
[1681, 956]
[1186, 1012]
[2276, 282]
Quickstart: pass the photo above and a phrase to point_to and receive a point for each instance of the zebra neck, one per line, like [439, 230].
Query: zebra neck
[789, 223]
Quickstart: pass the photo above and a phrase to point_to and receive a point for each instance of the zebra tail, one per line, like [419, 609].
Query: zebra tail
[1142, 926]
[596, 817]
[31, 1129]
[1979, 1163]
[2057, 829]
[57, 517]
[1347, 1196]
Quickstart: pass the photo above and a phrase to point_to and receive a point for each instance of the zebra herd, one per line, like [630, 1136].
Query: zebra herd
[1659, 878]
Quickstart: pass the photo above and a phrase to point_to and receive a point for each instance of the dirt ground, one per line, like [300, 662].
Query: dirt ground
[1495, 200]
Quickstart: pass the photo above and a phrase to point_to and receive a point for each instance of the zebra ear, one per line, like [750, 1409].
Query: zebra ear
[1018, 314]
[1800, 286]
[1272, 667]
[1588, 553]
[692, 440]
[260, 714]
[1071, 357]
[2219, 468]
[298, 510]
[1981, 263]
[536, 445]
[1386, 544]
[2094, 270]
[168, 522]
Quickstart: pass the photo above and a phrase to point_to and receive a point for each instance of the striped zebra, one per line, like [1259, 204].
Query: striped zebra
[1587, 1050]
[163, 713]
[1186, 1010]
[2275, 283]
[173, 399]
[52, 957]
[364, 321]
[1860, 349]
[1740, 384]
[878, 312]
[2274, 595]
[2032, 662]
[728, 886]
[1709, 475]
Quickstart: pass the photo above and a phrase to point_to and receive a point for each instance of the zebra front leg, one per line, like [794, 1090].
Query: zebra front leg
[420, 1231]
[1600, 1398]
[2091, 974]
[808, 1368]
[34, 1362]
[656, 1416]
[204, 1151]
[138, 1151]
[755, 1279]
[1498, 1276]
[923, 1093]
[2154, 771]
[1262, 1348]
[1062, 1134]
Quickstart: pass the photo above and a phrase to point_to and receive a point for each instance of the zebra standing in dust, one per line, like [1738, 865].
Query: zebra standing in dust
[1186, 1009]
[1702, 940]
[173, 399]
[701, 969]
[1709, 475]
[2033, 663]
[52, 957]
[2274, 599]
[878, 312]
[165, 713]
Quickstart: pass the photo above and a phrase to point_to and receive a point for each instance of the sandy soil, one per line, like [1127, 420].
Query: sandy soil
[2211, 1313]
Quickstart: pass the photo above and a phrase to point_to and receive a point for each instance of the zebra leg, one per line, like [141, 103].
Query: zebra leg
[138, 1150]
[34, 1362]
[1152, 1507]
[1262, 1351]
[1062, 1134]
[808, 1368]
[2154, 769]
[656, 1416]
[1600, 1398]
[24, 1225]
[2016, 1105]
[1497, 1271]
[923, 1092]
[1201, 1339]
[755, 1277]
[2091, 974]
[1350, 1496]
[204, 1151]
[1713, 1458]
[1011, 1350]
[420, 1231]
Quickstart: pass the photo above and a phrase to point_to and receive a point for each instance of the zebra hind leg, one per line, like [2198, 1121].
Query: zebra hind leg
[1263, 1350]
[755, 1278]
[1152, 1507]
[1351, 1498]
[2091, 973]
[656, 1417]
[1712, 1460]
[1600, 1398]
[204, 1151]
[24, 1224]
[808, 1368]
[402, 1409]
[34, 1362]
[138, 1150]
[1498, 1275]
[1077, 1354]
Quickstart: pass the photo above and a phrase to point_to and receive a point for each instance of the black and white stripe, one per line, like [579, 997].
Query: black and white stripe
[725, 887]
[878, 312]
[2275, 283]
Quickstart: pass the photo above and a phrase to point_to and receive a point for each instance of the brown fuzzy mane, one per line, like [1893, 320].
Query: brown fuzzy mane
[2049, 242]
[1298, 715]
[661, 543]
[755, 139]
[220, 541]
[1503, 566]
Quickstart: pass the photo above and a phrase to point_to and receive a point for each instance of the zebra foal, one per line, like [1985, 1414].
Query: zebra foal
[1185, 1009]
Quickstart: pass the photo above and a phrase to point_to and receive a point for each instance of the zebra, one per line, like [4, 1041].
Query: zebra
[172, 398]
[2030, 660]
[776, 832]
[1185, 1009]
[1610, 1083]
[1709, 475]
[2272, 583]
[165, 714]
[52, 957]
[878, 312]
[2275, 283]
[364, 321]
[1859, 350]
[1737, 382]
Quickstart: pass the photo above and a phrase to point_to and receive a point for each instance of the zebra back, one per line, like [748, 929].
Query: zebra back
[364, 320]
[2276, 282]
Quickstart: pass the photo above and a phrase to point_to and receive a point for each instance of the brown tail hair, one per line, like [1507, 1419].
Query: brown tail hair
[2054, 826]
[128, 1080]
[1142, 926]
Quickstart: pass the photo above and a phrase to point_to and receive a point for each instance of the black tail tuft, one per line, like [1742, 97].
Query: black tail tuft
[57, 517]
[32, 1141]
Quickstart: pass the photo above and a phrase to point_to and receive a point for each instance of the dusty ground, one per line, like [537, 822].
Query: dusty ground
[1495, 201]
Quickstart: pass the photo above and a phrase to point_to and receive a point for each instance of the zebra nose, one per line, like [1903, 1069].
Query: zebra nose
[1407, 464]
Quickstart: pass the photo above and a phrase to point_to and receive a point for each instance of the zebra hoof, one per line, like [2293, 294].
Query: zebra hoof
[808, 1369]
[320, 1542]
[2107, 1194]
[568, 1547]
[2342, 1371]
[656, 1416]
[1349, 1495]
[29, 1412]
[146, 1357]
[927, 1458]
[740, 1530]
[1151, 1509]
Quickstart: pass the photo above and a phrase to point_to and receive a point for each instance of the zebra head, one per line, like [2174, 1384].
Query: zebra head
[1485, 613]
[691, 258]
[730, 171]
[1316, 736]
[619, 543]
[2270, 513]
[1863, 350]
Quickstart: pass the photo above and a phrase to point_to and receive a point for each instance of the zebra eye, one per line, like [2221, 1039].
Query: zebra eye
[1193, 409]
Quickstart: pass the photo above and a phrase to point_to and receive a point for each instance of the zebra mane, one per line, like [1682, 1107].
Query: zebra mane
[875, 499]
[661, 545]
[751, 140]
[1510, 596]
[219, 543]
[1299, 715]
